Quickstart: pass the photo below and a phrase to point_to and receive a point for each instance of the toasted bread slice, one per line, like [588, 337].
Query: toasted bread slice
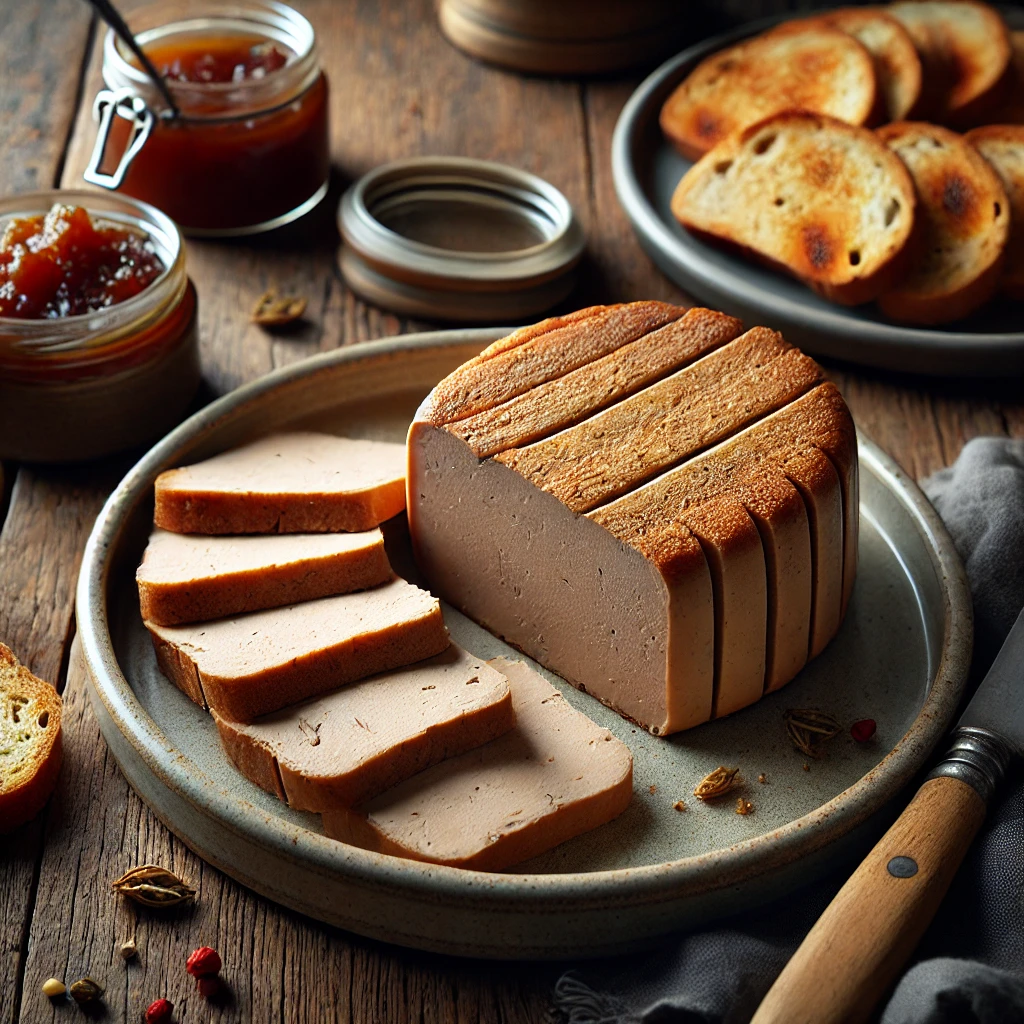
[964, 221]
[965, 51]
[30, 742]
[814, 68]
[1002, 145]
[820, 199]
[897, 64]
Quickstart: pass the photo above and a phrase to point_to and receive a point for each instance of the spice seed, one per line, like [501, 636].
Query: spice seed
[128, 949]
[53, 987]
[721, 781]
[276, 311]
[743, 806]
[85, 990]
[762, 778]
[863, 730]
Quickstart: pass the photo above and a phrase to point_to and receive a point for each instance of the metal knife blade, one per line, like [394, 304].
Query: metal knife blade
[998, 705]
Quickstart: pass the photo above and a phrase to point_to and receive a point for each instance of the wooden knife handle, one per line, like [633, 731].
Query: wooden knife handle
[859, 945]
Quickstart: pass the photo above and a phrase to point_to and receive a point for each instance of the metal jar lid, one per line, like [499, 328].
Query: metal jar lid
[457, 239]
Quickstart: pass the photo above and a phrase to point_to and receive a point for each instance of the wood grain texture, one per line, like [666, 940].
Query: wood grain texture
[858, 947]
[398, 89]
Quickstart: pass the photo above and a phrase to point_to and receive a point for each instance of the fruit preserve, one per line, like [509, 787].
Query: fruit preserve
[98, 347]
[247, 149]
[62, 264]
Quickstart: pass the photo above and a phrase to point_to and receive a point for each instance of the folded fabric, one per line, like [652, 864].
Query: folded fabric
[970, 967]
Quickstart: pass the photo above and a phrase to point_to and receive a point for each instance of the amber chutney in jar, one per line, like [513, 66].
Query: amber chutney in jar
[98, 349]
[249, 151]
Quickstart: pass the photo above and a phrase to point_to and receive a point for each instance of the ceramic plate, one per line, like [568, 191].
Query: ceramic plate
[900, 658]
[646, 170]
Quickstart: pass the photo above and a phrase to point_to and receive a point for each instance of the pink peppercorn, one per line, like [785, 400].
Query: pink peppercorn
[159, 1012]
[204, 961]
[863, 730]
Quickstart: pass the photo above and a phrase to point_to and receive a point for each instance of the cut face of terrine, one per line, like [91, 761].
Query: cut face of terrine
[667, 520]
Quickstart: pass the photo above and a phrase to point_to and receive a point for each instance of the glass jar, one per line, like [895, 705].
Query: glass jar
[78, 387]
[242, 156]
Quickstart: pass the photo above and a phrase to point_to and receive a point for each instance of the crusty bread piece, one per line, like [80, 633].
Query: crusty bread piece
[814, 67]
[30, 741]
[352, 744]
[964, 221]
[810, 195]
[255, 664]
[194, 578]
[299, 482]
[965, 52]
[1002, 145]
[554, 776]
[741, 571]
[897, 64]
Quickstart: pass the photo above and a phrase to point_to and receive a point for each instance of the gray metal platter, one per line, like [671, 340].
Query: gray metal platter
[646, 170]
[901, 658]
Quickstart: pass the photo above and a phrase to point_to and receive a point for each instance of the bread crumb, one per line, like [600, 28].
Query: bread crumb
[807, 767]
[744, 806]
[652, 790]
[679, 805]
[762, 778]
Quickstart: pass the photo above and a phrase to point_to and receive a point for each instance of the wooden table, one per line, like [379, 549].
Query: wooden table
[398, 90]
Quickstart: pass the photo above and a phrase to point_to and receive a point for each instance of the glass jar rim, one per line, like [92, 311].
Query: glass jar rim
[91, 330]
[277, 20]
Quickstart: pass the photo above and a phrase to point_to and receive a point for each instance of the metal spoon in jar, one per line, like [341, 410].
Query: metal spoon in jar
[110, 15]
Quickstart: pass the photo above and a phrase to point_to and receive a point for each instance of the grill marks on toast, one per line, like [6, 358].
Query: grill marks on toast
[1002, 145]
[965, 52]
[963, 226]
[739, 468]
[820, 199]
[808, 67]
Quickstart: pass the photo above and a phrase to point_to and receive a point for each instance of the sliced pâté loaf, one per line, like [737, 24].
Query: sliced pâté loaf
[30, 741]
[347, 746]
[1002, 145]
[554, 776]
[964, 225]
[297, 482]
[514, 539]
[811, 67]
[965, 52]
[897, 64]
[194, 578]
[258, 663]
[821, 200]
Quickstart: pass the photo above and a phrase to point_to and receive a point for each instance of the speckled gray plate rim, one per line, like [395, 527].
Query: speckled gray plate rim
[759, 295]
[552, 905]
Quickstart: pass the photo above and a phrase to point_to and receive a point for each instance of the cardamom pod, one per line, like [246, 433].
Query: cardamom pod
[153, 886]
[721, 781]
[808, 728]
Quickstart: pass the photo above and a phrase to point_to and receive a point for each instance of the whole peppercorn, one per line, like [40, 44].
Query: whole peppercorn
[863, 730]
[208, 985]
[159, 1012]
[203, 962]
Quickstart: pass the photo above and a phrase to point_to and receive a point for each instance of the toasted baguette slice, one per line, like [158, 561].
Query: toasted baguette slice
[553, 777]
[964, 221]
[814, 68]
[354, 743]
[1002, 145]
[259, 663]
[965, 51]
[195, 578]
[897, 64]
[808, 194]
[285, 483]
[30, 742]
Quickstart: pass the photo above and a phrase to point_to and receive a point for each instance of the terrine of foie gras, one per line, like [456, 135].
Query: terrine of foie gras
[352, 744]
[254, 664]
[194, 578]
[676, 550]
[554, 776]
[299, 482]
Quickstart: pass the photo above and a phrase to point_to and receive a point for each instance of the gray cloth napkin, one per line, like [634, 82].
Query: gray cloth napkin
[970, 964]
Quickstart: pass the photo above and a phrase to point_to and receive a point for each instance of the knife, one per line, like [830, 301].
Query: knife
[855, 951]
